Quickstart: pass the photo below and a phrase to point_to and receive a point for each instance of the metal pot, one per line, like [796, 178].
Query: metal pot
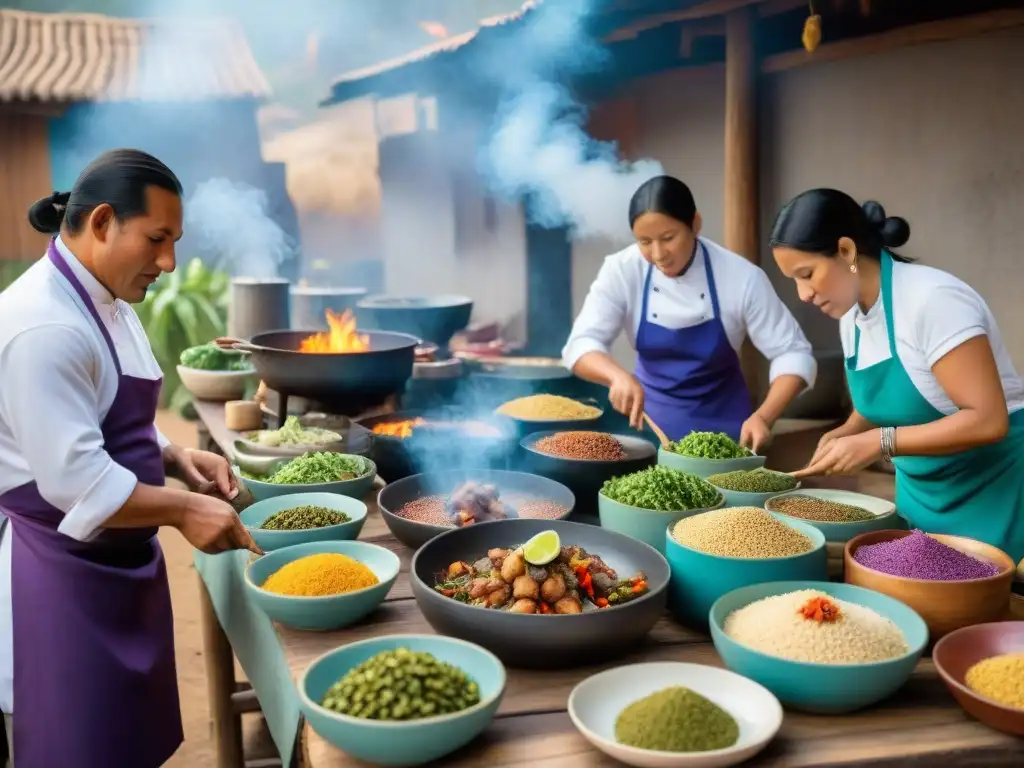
[258, 306]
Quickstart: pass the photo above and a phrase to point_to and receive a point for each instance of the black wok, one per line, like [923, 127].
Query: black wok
[354, 381]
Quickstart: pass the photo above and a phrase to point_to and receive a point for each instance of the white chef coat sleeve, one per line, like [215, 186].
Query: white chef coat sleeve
[945, 316]
[49, 401]
[776, 333]
[602, 317]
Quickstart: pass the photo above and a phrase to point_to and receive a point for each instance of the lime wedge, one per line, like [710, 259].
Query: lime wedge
[542, 548]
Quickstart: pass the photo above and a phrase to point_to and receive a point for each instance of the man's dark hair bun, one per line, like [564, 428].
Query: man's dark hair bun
[47, 214]
[893, 230]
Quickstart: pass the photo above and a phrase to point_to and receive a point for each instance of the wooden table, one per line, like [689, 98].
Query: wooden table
[921, 726]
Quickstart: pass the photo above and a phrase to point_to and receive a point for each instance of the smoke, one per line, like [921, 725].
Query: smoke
[540, 149]
[230, 220]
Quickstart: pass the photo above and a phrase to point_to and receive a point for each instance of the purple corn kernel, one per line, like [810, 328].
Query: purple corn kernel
[919, 556]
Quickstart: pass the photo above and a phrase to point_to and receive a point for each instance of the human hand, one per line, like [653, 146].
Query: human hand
[823, 443]
[210, 525]
[844, 455]
[626, 395]
[204, 471]
[755, 433]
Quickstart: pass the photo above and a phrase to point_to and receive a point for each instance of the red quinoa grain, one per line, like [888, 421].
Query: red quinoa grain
[593, 446]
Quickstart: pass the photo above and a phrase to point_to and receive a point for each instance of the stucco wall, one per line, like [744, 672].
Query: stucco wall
[933, 132]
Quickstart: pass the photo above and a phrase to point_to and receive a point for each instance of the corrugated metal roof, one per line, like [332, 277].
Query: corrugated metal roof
[64, 57]
[447, 45]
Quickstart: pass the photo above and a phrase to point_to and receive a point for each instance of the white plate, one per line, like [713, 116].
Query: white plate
[595, 704]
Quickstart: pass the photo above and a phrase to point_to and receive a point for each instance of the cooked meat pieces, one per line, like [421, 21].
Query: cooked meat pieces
[523, 606]
[513, 567]
[568, 605]
[525, 587]
[553, 589]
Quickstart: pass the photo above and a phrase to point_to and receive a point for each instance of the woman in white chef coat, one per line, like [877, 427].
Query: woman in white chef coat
[687, 304]
[933, 387]
[86, 629]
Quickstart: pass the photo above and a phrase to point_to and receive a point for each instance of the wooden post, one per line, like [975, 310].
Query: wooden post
[742, 208]
[220, 682]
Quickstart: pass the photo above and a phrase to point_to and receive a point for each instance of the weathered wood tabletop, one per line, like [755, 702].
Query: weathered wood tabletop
[921, 725]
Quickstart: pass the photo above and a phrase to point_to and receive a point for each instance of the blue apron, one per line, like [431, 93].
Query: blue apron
[978, 493]
[691, 377]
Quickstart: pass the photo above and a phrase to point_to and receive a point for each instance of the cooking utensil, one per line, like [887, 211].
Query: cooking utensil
[658, 431]
[431, 318]
[352, 382]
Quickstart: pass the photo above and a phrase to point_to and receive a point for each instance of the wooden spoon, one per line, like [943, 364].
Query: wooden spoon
[662, 437]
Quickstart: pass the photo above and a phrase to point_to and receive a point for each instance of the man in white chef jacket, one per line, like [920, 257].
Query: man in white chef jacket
[85, 614]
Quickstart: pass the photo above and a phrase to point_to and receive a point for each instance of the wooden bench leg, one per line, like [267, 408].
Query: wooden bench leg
[220, 680]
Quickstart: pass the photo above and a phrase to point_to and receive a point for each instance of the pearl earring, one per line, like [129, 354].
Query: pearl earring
[853, 268]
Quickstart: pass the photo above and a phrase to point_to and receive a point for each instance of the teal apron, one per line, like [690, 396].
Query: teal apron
[978, 493]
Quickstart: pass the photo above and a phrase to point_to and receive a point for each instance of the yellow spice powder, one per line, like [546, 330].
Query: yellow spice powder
[548, 407]
[1000, 678]
[319, 575]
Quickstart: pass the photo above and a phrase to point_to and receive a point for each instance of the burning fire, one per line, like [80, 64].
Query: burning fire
[341, 336]
[402, 429]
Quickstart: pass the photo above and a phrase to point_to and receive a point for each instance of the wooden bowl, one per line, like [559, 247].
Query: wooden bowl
[960, 650]
[944, 605]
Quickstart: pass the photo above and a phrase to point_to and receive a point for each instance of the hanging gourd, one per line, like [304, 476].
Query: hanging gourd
[812, 31]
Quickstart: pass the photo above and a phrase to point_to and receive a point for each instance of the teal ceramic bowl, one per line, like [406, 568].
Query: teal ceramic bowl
[357, 488]
[699, 579]
[747, 499]
[885, 517]
[707, 467]
[409, 742]
[821, 688]
[330, 611]
[646, 525]
[254, 516]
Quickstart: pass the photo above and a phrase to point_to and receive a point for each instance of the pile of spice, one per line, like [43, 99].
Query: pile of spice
[402, 685]
[1000, 678]
[676, 719]
[815, 627]
[919, 556]
[304, 518]
[592, 446]
[754, 481]
[740, 532]
[662, 489]
[548, 408]
[819, 510]
[319, 467]
[329, 573]
[709, 445]
[433, 510]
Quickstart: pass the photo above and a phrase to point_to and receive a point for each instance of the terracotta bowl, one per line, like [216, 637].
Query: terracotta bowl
[960, 650]
[944, 605]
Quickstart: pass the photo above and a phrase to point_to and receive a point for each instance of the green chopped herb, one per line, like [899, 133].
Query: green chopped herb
[662, 489]
[304, 518]
[319, 467]
[709, 445]
[293, 433]
[210, 357]
[754, 481]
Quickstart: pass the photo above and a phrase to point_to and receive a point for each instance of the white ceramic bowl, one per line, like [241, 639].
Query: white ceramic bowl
[884, 512]
[595, 704]
[219, 386]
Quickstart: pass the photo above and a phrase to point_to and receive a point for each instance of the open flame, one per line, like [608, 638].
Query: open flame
[340, 338]
[402, 429]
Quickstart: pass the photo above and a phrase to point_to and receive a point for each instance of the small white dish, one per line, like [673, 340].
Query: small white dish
[595, 704]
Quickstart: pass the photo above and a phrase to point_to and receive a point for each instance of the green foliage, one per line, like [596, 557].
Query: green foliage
[184, 309]
[11, 271]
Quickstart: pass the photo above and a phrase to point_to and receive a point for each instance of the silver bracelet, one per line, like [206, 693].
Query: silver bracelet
[888, 442]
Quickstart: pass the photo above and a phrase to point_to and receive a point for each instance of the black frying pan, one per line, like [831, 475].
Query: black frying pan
[357, 381]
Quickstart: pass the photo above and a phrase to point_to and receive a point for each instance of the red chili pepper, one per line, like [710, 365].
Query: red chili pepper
[544, 608]
[448, 592]
[601, 602]
[640, 586]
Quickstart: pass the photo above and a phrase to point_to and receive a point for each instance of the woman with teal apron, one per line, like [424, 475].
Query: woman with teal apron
[959, 473]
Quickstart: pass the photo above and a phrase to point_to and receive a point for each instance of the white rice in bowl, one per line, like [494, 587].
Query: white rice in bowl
[778, 626]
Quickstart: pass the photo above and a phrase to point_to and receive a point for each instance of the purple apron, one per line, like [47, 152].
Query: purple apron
[94, 680]
[691, 376]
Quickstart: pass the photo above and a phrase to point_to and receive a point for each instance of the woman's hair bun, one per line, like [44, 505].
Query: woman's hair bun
[47, 214]
[893, 230]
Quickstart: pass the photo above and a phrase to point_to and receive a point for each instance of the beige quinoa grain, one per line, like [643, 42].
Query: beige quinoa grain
[775, 626]
[820, 510]
[548, 408]
[740, 532]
